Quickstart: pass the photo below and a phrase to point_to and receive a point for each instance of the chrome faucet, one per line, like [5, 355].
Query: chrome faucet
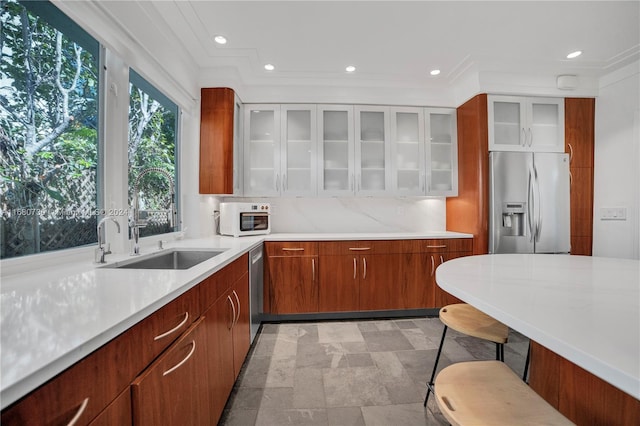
[106, 249]
[135, 223]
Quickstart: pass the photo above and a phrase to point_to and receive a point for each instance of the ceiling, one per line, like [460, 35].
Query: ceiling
[395, 44]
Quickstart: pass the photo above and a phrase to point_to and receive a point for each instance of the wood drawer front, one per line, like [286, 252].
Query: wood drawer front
[156, 332]
[336, 248]
[216, 285]
[447, 245]
[93, 382]
[291, 248]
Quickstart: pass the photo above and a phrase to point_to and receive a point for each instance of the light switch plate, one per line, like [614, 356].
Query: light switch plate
[613, 213]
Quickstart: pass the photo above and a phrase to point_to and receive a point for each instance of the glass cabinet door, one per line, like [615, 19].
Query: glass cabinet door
[335, 150]
[506, 123]
[262, 150]
[546, 132]
[372, 151]
[442, 152]
[298, 149]
[408, 155]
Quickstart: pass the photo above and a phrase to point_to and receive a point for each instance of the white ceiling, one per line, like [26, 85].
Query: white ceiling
[394, 44]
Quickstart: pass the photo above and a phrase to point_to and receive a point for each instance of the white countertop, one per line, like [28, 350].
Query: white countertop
[586, 309]
[55, 315]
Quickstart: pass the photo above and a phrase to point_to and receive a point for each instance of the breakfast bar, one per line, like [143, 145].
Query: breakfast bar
[583, 311]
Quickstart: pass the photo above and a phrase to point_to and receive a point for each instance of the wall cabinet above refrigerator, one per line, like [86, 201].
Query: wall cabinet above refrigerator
[526, 124]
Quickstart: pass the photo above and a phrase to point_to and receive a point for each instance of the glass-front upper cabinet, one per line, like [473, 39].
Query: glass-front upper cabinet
[408, 151]
[442, 151]
[335, 150]
[526, 124]
[298, 151]
[372, 150]
[262, 150]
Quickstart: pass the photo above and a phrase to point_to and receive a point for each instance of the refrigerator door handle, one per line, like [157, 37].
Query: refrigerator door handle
[530, 202]
[538, 206]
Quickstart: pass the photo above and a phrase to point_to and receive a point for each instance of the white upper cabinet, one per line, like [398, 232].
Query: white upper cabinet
[335, 150]
[298, 150]
[344, 150]
[372, 150]
[442, 152]
[280, 150]
[526, 124]
[408, 151]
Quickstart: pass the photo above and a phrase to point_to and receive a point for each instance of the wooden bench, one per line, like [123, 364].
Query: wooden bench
[490, 393]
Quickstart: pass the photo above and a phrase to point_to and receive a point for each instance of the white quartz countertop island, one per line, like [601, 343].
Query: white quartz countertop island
[54, 313]
[586, 309]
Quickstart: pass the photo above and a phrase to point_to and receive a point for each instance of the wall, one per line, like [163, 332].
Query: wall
[617, 163]
[344, 215]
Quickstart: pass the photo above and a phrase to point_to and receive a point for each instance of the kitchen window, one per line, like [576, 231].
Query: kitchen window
[49, 119]
[152, 152]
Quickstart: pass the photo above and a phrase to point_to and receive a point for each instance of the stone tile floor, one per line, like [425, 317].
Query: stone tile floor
[351, 373]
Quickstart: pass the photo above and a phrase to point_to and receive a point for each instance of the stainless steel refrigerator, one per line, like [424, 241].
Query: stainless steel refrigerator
[529, 202]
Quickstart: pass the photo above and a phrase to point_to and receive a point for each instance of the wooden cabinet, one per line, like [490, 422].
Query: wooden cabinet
[469, 211]
[526, 124]
[582, 397]
[220, 141]
[579, 144]
[357, 275]
[163, 370]
[225, 299]
[89, 386]
[292, 277]
[173, 390]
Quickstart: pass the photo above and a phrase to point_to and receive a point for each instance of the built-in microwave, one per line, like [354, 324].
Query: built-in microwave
[238, 219]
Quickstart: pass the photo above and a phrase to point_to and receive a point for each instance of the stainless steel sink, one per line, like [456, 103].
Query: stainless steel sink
[168, 259]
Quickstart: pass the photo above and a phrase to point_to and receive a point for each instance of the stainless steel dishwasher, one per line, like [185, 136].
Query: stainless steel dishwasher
[256, 279]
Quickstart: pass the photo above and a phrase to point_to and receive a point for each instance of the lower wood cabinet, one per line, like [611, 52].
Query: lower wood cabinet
[342, 276]
[173, 390]
[166, 369]
[292, 277]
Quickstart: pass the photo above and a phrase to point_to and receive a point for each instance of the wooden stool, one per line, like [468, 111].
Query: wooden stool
[468, 320]
[490, 393]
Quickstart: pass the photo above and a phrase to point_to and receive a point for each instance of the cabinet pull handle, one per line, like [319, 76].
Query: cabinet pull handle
[177, 327]
[364, 268]
[441, 260]
[292, 249]
[355, 269]
[313, 270]
[178, 365]
[233, 312]
[437, 246]
[359, 248]
[433, 265]
[237, 300]
[530, 137]
[570, 153]
[78, 414]
[524, 137]
[570, 179]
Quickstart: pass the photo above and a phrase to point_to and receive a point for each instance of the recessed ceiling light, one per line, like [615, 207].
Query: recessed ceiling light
[350, 68]
[574, 54]
[434, 72]
[269, 67]
[220, 39]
